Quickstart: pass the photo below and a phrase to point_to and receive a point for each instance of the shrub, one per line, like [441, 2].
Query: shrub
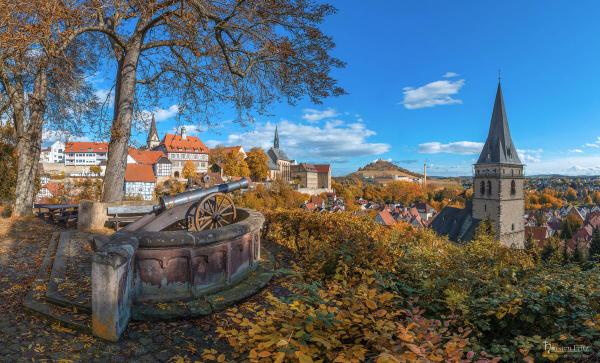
[361, 291]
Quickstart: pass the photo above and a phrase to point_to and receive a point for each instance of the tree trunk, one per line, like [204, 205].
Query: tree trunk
[29, 147]
[121, 127]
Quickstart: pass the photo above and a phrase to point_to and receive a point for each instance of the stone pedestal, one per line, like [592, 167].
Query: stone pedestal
[112, 290]
[91, 215]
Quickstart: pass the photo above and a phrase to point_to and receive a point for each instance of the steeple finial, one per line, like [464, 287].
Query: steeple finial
[499, 75]
[499, 147]
[276, 139]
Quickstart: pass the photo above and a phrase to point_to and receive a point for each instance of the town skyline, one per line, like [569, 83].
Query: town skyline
[409, 103]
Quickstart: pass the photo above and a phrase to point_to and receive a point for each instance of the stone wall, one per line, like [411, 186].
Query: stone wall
[132, 267]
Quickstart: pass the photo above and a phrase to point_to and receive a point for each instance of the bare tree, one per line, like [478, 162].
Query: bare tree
[41, 76]
[203, 53]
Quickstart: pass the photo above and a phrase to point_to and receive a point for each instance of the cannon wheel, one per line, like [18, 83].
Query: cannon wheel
[214, 211]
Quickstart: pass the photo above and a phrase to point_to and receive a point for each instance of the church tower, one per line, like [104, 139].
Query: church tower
[153, 140]
[498, 181]
[276, 139]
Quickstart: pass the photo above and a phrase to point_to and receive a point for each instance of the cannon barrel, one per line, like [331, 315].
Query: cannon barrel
[168, 202]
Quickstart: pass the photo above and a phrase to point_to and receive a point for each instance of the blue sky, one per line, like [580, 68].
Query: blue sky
[421, 78]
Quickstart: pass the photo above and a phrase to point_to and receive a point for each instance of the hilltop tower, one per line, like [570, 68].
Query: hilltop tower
[498, 181]
[153, 140]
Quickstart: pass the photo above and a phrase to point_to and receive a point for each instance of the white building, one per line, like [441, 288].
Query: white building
[182, 148]
[139, 181]
[85, 153]
[55, 153]
[161, 165]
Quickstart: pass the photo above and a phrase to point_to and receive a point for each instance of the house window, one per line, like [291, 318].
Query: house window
[489, 191]
[513, 188]
[482, 188]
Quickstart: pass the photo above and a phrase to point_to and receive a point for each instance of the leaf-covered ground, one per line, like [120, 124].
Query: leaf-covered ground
[25, 336]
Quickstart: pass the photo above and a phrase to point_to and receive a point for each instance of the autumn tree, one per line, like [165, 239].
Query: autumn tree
[571, 195]
[594, 252]
[189, 170]
[597, 197]
[43, 61]
[217, 155]
[203, 53]
[95, 169]
[569, 226]
[258, 164]
[235, 165]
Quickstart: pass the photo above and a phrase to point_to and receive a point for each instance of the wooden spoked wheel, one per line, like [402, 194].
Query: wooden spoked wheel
[214, 211]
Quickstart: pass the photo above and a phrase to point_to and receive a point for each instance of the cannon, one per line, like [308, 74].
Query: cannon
[194, 210]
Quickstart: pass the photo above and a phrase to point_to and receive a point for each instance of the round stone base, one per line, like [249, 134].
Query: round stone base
[208, 304]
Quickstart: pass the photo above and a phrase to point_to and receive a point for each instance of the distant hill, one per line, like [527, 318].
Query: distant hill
[383, 168]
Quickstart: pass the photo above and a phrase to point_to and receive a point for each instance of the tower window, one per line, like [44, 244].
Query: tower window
[485, 207]
[489, 190]
[482, 188]
[512, 226]
[513, 188]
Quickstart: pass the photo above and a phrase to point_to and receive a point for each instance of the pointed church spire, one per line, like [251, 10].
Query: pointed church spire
[499, 147]
[276, 139]
[152, 139]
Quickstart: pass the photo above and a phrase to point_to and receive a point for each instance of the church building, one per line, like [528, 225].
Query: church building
[497, 189]
[279, 163]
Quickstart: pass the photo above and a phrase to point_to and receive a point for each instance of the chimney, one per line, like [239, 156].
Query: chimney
[183, 134]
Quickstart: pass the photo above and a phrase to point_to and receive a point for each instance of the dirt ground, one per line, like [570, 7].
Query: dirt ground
[25, 336]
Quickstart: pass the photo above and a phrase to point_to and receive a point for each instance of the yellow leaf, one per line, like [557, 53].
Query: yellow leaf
[303, 358]
[371, 304]
[279, 357]
[221, 358]
[406, 337]
[264, 354]
[282, 343]
[386, 358]
[61, 329]
[413, 348]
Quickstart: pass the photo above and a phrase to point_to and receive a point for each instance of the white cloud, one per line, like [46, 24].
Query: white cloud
[573, 165]
[575, 151]
[530, 155]
[433, 94]
[105, 95]
[54, 135]
[450, 75]
[161, 114]
[595, 144]
[336, 141]
[312, 115]
[189, 129]
[459, 147]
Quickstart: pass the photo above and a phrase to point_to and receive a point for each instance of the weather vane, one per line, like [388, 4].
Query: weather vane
[499, 75]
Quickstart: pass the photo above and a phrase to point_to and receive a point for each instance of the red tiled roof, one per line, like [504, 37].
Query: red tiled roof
[309, 168]
[145, 156]
[386, 217]
[53, 188]
[228, 149]
[536, 233]
[191, 144]
[139, 173]
[86, 147]
[322, 168]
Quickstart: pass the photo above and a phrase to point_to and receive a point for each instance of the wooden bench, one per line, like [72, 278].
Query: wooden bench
[57, 213]
[126, 214]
